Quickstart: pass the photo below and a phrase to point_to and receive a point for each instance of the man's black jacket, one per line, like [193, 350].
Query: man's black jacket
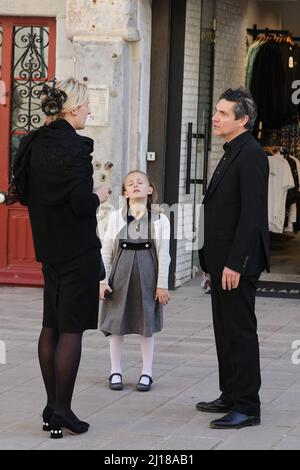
[236, 233]
[59, 192]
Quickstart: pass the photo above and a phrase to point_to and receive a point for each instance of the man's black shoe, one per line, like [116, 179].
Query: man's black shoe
[216, 406]
[235, 420]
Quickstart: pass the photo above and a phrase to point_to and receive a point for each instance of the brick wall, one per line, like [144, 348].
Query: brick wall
[230, 52]
[189, 114]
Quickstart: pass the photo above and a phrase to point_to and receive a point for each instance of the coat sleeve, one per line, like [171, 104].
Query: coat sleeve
[20, 162]
[163, 253]
[83, 201]
[254, 172]
[107, 246]
[19, 184]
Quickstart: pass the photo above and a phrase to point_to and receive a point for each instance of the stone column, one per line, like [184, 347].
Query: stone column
[112, 44]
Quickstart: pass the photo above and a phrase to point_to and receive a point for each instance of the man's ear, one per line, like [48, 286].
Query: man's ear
[244, 121]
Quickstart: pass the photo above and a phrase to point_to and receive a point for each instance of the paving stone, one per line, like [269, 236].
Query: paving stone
[185, 372]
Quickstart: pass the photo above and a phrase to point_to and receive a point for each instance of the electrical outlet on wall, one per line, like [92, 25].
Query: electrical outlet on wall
[151, 156]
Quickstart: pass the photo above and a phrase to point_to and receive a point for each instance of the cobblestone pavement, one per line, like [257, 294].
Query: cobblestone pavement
[185, 371]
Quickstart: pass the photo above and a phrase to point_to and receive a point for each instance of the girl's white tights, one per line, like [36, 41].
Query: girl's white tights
[147, 348]
[116, 347]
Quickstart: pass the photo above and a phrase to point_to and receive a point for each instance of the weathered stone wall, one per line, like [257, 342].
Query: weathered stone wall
[112, 43]
[104, 18]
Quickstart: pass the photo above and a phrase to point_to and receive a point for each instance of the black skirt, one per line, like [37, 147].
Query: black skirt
[71, 294]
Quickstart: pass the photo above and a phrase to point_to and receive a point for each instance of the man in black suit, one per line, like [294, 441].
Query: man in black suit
[235, 252]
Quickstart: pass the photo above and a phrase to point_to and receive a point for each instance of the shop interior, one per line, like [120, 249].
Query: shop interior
[272, 72]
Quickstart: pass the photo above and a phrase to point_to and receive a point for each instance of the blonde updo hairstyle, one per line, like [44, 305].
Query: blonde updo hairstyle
[61, 97]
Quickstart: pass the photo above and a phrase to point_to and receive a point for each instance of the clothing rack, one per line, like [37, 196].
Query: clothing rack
[254, 32]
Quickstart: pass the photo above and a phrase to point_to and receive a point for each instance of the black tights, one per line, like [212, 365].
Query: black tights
[59, 356]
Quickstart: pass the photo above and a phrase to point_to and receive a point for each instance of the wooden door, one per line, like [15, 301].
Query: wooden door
[27, 59]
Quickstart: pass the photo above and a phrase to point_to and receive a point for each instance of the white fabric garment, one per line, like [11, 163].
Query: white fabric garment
[280, 181]
[298, 164]
[292, 218]
[293, 209]
[161, 238]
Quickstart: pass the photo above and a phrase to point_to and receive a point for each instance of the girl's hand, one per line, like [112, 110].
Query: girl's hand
[162, 295]
[103, 288]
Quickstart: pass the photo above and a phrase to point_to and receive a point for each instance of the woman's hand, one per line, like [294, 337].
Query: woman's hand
[162, 295]
[103, 288]
[103, 193]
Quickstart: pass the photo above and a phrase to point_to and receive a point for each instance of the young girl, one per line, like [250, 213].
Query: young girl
[136, 257]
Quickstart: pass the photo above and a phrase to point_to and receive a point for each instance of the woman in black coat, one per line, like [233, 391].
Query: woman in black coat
[53, 177]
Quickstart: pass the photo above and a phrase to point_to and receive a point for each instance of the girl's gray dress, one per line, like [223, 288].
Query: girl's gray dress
[132, 308]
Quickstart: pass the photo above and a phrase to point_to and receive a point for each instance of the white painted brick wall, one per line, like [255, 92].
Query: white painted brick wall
[189, 114]
[230, 52]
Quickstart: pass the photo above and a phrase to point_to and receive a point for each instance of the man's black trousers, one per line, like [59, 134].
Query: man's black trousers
[235, 327]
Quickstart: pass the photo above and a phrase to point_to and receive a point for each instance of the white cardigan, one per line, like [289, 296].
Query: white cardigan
[161, 238]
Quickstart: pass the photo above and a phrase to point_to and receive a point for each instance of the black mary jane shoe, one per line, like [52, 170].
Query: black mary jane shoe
[115, 385]
[47, 415]
[141, 387]
[67, 422]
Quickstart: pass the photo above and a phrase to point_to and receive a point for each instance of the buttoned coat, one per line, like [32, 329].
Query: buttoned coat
[236, 233]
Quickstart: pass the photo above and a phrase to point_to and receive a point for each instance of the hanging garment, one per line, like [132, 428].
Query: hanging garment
[280, 181]
[290, 139]
[292, 195]
[275, 67]
[296, 224]
[250, 60]
[291, 218]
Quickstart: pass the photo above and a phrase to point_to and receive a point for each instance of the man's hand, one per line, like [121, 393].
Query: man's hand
[103, 193]
[162, 295]
[230, 279]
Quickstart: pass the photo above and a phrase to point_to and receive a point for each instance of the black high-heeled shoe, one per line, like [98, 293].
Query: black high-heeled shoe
[48, 413]
[67, 421]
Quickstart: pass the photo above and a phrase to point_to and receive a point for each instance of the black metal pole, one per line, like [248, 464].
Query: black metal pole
[189, 158]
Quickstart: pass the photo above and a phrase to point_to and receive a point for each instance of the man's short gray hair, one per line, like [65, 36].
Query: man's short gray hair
[244, 104]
